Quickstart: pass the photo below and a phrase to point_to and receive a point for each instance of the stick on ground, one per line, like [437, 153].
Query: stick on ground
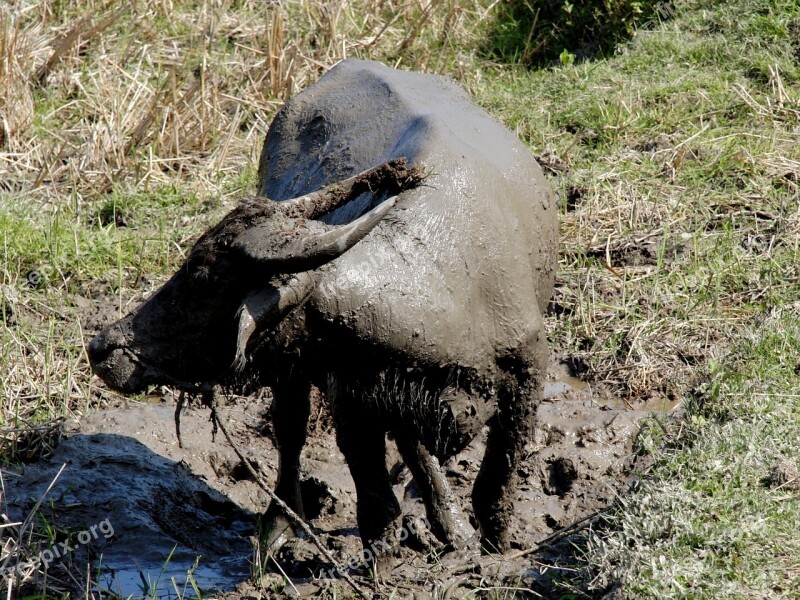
[210, 399]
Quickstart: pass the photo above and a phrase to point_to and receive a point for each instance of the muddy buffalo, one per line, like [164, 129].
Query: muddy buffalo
[415, 307]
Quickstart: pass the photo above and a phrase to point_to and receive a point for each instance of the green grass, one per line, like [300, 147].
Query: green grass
[684, 146]
[705, 523]
[679, 175]
[677, 165]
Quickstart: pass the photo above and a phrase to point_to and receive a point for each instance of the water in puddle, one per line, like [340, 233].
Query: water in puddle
[567, 383]
[651, 405]
[176, 579]
[125, 466]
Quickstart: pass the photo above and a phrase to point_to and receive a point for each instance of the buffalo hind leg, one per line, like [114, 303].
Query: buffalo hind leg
[447, 522]
[519, 394]
[363, 444]
[290, 411]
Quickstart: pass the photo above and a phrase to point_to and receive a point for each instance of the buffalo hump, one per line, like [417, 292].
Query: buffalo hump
[464, 266]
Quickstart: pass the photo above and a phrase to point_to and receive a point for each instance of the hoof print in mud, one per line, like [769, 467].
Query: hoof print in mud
[560, 474]
[319, 497]
[300, 558]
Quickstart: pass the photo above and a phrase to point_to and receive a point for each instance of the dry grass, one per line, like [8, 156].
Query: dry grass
[678, 164]
[679, 194]
[105, 95]
[125, 129]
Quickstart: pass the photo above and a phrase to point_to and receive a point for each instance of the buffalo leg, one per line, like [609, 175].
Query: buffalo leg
[290, 411]
[447, 522]
[519, 394]
[364, 447]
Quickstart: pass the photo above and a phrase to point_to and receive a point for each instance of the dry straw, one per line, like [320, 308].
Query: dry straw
[158, 93]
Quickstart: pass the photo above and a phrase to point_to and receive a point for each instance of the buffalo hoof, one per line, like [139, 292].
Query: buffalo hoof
[274, 532]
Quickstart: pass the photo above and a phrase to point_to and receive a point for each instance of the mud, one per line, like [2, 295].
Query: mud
[125, 466]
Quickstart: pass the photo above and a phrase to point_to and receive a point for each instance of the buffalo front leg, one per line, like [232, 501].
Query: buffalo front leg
[363, 443]
[290, 411]
[519, 394]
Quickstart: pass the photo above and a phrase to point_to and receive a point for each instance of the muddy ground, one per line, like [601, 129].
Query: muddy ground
[125, 470]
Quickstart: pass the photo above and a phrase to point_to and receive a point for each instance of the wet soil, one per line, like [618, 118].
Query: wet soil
[169, 505]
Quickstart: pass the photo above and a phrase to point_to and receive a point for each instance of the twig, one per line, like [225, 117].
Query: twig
[178, 409]
[210, 400]
[36, 506]
[561, 533]
[791, 483]
[285, 576]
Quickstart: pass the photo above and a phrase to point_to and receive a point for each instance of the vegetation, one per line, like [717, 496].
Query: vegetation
[126, 129]
[537, 33]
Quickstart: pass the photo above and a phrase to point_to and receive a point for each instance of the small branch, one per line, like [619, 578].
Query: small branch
[561, 533]
[210, 400]
[178, 409]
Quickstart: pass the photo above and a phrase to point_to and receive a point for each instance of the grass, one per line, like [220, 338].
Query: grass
[125, 131]
[708, 522]
[678, 179]
[678, 162]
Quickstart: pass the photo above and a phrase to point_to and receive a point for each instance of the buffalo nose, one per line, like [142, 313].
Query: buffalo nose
[104, 343]
[97, 348]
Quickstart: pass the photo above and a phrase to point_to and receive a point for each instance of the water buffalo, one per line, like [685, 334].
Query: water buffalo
[419, 315]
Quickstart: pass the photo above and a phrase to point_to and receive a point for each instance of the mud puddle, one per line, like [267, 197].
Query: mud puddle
[170, 505]
[175, 580]
[169, 511]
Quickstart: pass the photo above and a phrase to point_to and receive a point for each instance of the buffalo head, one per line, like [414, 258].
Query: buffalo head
[241, 278]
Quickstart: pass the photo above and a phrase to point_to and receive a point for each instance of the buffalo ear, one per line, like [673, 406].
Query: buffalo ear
[295, 248]
[264, 308]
